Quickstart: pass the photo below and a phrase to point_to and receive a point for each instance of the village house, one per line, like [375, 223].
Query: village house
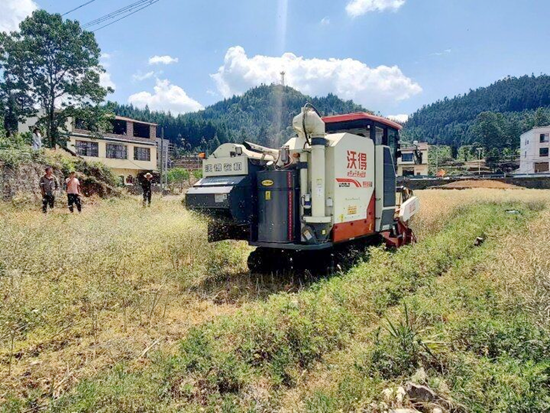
[130, 149]
[407, 163]
[535, 145]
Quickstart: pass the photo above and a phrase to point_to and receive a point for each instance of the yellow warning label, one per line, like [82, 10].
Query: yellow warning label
[352, 210]
[268, 195]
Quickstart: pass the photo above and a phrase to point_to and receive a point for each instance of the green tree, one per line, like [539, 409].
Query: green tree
[197, 173]
[178, 176]
[15, 105]
[489, 127]
[541, 118]
[493, 159]
[57, 64]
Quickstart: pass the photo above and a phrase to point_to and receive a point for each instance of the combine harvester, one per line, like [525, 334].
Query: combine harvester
[327, 190]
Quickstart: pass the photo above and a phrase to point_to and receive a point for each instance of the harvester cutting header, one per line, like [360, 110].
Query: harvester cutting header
[333, 183]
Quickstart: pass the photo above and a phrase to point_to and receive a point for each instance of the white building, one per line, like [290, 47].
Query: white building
[407, 163]
[534, 151]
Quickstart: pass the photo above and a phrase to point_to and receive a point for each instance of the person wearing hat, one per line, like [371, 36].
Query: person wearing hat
[146, 186]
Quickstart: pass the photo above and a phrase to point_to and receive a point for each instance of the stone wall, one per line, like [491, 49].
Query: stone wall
[23, 181]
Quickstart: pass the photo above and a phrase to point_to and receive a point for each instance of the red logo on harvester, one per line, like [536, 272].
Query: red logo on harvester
[357, 164]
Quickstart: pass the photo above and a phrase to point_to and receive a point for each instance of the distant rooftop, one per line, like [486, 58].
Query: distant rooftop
[423, 146]
[134, 120]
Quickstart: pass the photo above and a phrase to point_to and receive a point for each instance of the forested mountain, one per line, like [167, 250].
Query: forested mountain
[515, 105]
[263, 114]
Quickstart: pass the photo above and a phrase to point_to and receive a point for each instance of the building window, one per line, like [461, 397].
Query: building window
[544, 138]
[543, 152]
[115, 151]
[407, 157]
[142, 154]
[84, 148]
[142, 130]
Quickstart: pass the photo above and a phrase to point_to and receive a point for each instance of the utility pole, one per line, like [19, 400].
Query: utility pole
[479, 153]
[436, 158]
[162, 160]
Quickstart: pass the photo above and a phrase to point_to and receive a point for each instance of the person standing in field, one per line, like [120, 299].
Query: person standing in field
[73, 192]
[48, 186]
[36, 139]
[146, 186]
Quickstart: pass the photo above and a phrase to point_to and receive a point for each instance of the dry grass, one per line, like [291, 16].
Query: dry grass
[492, 302]
[437, 206]
[523, 269]
[83, 293]
[80, 293]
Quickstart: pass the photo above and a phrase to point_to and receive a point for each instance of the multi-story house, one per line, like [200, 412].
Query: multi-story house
[534, 155]
[129, 149]
[407, 163]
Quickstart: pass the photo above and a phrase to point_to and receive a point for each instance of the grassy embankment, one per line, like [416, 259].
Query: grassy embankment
[326, 347]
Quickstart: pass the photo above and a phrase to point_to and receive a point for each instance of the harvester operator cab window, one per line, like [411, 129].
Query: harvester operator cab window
[379, 136]
[393, 142]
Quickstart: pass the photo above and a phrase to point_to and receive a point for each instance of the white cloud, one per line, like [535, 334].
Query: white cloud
[105, 78]
[139, 76]
[373, 87]
[13, 12]
[166, 97]
[443, 53]
[357, 8]
[106, 81]
[399, 118]
[325, 21]
[163, 60]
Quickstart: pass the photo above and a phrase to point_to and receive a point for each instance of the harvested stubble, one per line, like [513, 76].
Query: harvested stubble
[478, 183]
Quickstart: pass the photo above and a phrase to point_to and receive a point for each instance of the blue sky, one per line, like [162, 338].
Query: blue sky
[392, 56]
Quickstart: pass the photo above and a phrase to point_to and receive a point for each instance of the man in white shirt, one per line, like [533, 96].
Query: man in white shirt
[36, 139]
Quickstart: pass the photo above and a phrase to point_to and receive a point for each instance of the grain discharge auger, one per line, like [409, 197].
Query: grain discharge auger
[331, 186]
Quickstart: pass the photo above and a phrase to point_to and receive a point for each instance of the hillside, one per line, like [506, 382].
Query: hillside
[453, 121]
[263, 115]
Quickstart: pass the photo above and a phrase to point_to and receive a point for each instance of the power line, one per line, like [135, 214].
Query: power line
[128, 15]
[79, 7]
[127, 10]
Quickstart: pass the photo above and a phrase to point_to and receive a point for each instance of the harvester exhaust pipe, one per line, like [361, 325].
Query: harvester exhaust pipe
[317, 170]
[309, 126]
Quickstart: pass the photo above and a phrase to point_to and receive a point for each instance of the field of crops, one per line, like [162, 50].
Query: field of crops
[130, 309]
